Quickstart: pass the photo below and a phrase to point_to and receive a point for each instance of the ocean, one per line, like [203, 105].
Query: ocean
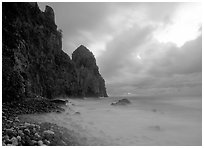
[147, 121]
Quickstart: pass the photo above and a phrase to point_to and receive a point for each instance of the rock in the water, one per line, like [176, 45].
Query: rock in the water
[77, 113]
[121, 102]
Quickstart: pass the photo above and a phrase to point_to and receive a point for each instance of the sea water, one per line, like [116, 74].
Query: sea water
[167, 121]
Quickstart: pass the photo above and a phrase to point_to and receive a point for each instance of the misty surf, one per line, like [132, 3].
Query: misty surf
[146, 121]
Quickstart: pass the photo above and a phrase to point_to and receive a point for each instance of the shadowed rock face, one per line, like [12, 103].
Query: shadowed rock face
[89, 79]
[33, 62]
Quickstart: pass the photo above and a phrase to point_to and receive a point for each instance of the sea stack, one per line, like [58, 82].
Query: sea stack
[89, 79]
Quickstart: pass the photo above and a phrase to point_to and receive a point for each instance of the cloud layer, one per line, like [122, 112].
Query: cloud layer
[141, 48]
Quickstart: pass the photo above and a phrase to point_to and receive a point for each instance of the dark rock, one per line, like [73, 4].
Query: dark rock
[28, 141]
[50, 13]
[47, 142]
[26, 131]
[48, 134]
[90, 81]
[58, 111]
[59, 101]
[10, 132]
[77, 113]
[14, 141]
[121, 102]
[5, 138]
[8, 141]
[3, 144]
[33, 62]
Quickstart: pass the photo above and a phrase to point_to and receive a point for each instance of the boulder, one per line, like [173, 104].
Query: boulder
[121, 102]
[59, 101]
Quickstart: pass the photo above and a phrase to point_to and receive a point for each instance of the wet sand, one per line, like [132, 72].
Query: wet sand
[146, 121]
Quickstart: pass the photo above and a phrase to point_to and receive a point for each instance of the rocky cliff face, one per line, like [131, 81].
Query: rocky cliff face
[33, 62]
[88, 77]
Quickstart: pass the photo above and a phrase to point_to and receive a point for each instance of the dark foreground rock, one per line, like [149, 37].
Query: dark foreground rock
[121, 102]
[60, 101]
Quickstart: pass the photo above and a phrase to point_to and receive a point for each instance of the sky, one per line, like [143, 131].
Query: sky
[141, 48]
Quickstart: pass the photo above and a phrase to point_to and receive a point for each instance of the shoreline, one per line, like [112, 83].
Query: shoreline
[18, 132]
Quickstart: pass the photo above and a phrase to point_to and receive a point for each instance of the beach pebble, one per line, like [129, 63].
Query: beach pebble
[9, 121]
[9, 145]
[36, 136]
[48, 134]
[34, 130]
[4, 117]
[8, 141]
[19, 138]
[27, 131]
[17, 120]
[9, 132]
[22, 127]
[37, 127]
[3, 144]
[20, 133]
[27, 124]
[34, 142]
[6, 137]
[14, 141]
[47, 142]
[40, 143]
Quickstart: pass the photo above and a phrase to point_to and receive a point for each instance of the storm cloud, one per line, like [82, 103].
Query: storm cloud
[141, 48]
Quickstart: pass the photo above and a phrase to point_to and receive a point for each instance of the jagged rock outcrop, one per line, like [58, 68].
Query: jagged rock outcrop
[33, 62]
[89, 79]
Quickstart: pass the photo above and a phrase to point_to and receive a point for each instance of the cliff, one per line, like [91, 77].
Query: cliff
[33, 62]
[88, 77]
